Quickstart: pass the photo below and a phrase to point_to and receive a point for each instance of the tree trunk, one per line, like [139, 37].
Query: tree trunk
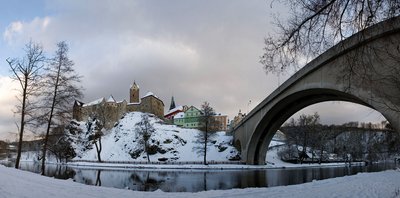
[321, 154]
[98, 179]
[50, 117]
[45, 143]
[205, 144]
[98, 149]
[146, 148]
[21, 132]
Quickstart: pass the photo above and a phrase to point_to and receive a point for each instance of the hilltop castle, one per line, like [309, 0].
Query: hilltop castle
[110, 111]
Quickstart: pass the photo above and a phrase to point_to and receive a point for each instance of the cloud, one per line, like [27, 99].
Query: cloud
[12, 29]
[19, 32]
[342, 112]
[195, 50]
[8, 101]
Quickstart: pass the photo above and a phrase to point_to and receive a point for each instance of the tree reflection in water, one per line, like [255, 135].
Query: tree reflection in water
[198, 180]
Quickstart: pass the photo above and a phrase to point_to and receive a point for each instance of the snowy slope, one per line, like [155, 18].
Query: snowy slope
[174, 143]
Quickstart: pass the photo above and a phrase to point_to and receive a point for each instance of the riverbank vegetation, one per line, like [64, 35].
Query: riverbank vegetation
[307, 140]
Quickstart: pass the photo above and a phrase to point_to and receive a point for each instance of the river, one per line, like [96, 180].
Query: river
[178, 180]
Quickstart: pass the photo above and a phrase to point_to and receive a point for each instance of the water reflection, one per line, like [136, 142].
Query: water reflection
[198, 180]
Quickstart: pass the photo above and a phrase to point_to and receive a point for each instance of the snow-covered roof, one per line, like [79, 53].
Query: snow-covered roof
[121, 101]
[180, 115]
[152, 94]
[135, 85]
[179, 108]
[79, 103]
[95, 102]
[149, 94]
[110, 99]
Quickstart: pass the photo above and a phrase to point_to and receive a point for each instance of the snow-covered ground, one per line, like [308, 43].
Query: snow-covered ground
[274, 161]
[16, 184]
[179, 144]
[175, 144]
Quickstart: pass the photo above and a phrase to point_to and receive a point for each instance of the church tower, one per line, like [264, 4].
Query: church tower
[134, 93]
[172, 106]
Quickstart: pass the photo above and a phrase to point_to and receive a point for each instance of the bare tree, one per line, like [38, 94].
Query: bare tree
[95, 130]
[60, 145]
[96, 127]
[27, 71]
[302, 134]
[313, 132]
[314, 26]
[144, 130]
[206, 134]
[59, 91]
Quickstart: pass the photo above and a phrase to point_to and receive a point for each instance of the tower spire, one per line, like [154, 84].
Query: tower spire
[134, 93]
[172, 106]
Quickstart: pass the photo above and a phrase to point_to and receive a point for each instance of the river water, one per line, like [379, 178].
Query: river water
[178, 180]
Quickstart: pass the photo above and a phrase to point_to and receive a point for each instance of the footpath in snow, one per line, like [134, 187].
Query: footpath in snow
[16, 184]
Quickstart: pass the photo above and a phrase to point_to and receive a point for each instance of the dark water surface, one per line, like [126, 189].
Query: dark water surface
[198, 180]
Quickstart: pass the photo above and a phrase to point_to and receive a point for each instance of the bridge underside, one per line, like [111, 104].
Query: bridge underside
[282, 111]
[364, 69]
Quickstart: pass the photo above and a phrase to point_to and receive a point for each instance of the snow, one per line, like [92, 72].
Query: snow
[134, 84]
[149, 94]
[178, 143]
[111, 99]
[180, 115]
[16, 183]
[179, 108]
[274, 161]
[120, 140]
[98, 101]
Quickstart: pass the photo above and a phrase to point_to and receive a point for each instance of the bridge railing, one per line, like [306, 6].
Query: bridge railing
[160, 163]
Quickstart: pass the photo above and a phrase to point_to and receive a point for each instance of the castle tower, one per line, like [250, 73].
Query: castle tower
[172, 106]
[134, 93]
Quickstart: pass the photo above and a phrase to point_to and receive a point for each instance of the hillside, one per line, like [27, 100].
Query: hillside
[169, 143]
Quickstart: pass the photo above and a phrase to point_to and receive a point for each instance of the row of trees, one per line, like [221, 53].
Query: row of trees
[359, 141]
[48, 86]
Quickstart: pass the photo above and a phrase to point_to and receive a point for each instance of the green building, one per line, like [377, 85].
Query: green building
[188, 119]
[192, 117]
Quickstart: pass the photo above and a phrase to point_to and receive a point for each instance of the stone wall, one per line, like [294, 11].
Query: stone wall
[110, 112]
[151, 104]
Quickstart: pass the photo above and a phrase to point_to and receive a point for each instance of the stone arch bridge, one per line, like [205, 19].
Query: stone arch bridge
[363, 69]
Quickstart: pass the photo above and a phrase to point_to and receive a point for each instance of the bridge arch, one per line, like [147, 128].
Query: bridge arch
[268, 125]
[376, 54]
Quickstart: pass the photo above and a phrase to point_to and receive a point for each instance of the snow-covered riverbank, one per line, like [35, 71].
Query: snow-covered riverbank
[16, 184]
[201, 166]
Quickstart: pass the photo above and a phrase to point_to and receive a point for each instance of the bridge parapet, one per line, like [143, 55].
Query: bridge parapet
[374, 52]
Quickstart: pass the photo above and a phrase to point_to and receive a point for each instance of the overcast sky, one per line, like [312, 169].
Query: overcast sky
[193, 50]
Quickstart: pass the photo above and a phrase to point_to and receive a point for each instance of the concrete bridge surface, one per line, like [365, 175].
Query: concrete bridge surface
[363, 69]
